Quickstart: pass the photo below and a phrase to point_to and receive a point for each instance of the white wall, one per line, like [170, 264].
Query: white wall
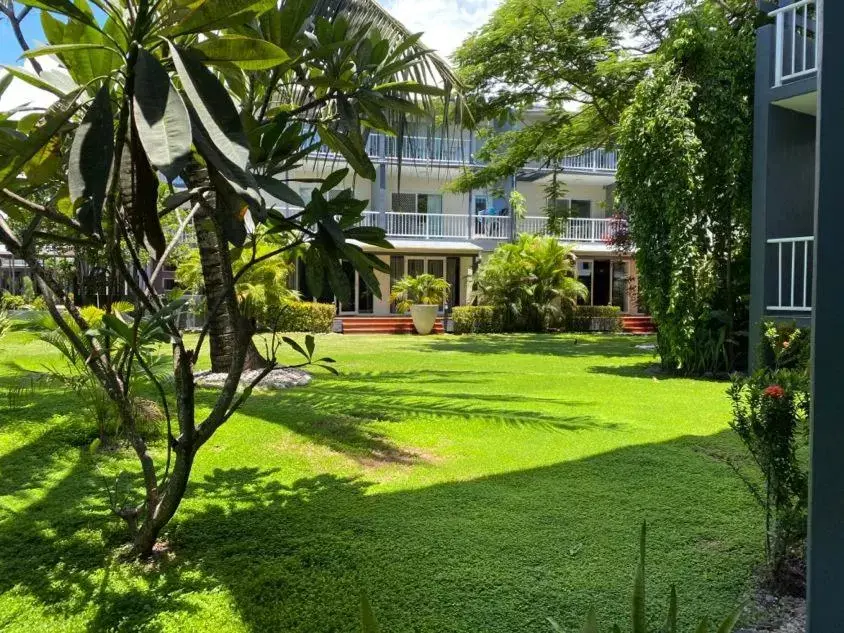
[535, 197]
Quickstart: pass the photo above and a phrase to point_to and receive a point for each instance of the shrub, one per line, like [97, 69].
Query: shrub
[531, 282]
[39, 304]
[594, 319]
[305, 316]
[28, 291]
[420, 290]
[477, 320]
[770, 415]
[11, 302]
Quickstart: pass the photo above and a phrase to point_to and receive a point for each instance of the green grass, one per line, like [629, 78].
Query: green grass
[474, 484]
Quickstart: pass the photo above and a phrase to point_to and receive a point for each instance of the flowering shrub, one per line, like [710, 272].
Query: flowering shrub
[774, 391]
[770, 415]
[618, 236]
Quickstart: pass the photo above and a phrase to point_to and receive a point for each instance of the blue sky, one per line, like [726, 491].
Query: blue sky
[445, 23]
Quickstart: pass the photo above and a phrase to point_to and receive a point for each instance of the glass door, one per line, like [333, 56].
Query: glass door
[362, 300]
[349, 306]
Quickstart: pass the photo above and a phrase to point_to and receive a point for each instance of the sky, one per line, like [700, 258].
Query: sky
[445, 23]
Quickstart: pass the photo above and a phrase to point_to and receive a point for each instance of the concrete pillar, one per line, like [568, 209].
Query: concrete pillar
[826, 494]
[759, 231]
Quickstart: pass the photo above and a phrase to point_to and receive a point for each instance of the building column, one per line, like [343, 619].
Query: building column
[759, 231]
[826, 488]
[378, 199]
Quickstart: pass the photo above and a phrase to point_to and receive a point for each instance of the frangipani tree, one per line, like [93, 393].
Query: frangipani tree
[150, 92]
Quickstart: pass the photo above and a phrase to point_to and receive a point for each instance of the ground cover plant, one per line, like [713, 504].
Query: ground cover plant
[475, 483]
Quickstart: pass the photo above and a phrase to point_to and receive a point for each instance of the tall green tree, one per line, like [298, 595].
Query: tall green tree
[143, 98]
[685, 177]
[580, 60]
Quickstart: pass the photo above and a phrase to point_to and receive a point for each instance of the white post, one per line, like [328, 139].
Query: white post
[779, 41]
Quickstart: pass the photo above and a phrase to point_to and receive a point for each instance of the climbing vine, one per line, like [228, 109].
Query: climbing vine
[684, 179]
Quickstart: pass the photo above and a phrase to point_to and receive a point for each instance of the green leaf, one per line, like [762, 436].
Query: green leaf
[639, 619]
[310, 344]
[213, 106]
[178, 199]
[369, 235]
[227, 175]
[64, 7]
[89, 53]
[413, 87]
[161, 117]
[354, 154]
[247, 52]
[46, 162]
[703, 627]
[58, 49]
[671, 622]
[730, 622]
[118, 327]
[554, 625]
[293, 344]
[56, 118]
[591, 625]
[213, 15]
[139, 195]
[368, 622]
[280, 190]
[39, 81]
[91, 156]
[334, 179]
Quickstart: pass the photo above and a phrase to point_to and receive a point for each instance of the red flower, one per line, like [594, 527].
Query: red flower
[774, 391]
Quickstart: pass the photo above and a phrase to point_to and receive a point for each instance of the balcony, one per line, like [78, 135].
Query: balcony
[796, 41]
[460, 151]
[793, 259]
[484, 227]
[576, 230]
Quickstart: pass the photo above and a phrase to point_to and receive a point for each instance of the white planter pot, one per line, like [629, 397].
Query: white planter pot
[424, 317]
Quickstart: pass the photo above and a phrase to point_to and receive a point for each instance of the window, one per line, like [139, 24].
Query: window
[481, 204]
[581, 209]
[418, 203]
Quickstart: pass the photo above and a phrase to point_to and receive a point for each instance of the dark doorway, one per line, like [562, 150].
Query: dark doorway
[601, 283]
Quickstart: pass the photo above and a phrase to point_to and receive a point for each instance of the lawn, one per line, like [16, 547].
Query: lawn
[474, 484]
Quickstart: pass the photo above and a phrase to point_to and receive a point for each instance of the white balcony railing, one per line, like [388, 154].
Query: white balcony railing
[796, 41]
[426, 225]
[456, 226]
[598, 160]
[585, 230]
[492, 227]
[794, 273]
[421, 149]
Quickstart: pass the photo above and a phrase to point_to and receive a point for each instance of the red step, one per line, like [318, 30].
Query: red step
[383, 325]
[638, 324]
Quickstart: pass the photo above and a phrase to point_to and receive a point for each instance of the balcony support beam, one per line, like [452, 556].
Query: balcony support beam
[826, 511]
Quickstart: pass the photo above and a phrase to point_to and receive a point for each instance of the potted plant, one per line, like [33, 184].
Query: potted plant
[422, 296]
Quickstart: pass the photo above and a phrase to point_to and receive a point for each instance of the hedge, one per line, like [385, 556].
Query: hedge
[305, 316]
[477, 320]
[595, 319]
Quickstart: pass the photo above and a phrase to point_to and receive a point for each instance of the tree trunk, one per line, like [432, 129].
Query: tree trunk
[217, 276]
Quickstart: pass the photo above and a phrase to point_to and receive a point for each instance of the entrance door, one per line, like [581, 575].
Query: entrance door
[349, 306]
[619, 285]
[362, 300]
[601, 283]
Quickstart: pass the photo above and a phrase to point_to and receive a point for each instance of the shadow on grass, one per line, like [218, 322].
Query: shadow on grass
[495, 554]
[574, 345]
[649, 371]
[339, 412]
